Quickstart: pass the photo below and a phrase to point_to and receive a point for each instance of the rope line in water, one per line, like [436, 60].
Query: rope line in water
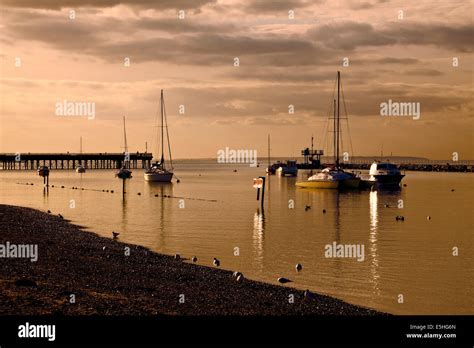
[112, 191]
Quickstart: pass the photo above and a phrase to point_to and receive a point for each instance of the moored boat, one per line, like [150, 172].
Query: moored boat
[287, 169]
[333, 177]
[382, 174]
[158, 172]
[124, 172]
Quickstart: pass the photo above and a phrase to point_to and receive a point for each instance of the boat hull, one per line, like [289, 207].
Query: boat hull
[158, 177]
[318, 184]
[352, 183]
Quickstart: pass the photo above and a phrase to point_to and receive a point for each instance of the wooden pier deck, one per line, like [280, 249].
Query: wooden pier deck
[31, 161]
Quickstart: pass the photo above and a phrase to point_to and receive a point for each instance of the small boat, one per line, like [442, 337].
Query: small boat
[271, 168]
[382, 174]
[287, 169]
[124, 172]
[333, 177]
[43, 171]
[158, 172]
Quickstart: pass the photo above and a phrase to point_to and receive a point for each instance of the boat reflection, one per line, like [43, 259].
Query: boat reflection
[373, 252]
[258, 236]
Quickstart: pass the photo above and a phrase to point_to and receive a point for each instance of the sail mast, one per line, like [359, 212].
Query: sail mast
[268, 150]
[162, 138]
[125, 142]
[334, 132]
[337, 133]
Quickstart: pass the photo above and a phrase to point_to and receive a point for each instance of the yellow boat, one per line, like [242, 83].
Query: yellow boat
[318, 184]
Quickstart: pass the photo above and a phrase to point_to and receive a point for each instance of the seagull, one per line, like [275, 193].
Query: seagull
[115, 235]
[60, 216]
[309, 295]
[240, 278]
[283, 280]
[307, 207]
[298, 267]
[194, 259]
[236, 274]
[49, 211]
[216, 262]
[177, 257]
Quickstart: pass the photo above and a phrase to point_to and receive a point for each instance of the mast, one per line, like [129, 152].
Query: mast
[162, 137]
[268, 150]
[125, 141]
[337, 133]
[334, 134]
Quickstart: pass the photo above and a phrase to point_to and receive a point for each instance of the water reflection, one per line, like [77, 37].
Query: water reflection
[258, 236]
[373, 204]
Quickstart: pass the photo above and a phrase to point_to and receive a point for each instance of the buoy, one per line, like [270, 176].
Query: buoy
[400, 218]
[111, 191]
[308, 207]
[139, 194]
[115, 235]
[428, 217]
[283, 280]
[324, 211]
[298, 267]
[452, 190]
[386, 205]
[216, 262]
[194, 259]
[178, 180]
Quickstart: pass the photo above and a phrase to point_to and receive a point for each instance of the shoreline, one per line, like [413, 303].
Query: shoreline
[106, 281]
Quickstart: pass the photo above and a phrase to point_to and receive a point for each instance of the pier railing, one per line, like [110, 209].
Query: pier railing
[32, 161]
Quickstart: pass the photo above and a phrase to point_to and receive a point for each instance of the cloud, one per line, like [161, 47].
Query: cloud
[144, 4]
[350, 35]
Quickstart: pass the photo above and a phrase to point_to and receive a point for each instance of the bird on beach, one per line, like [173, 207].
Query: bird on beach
[49, 211]
[309, 295]
[60, 216]
[298, 267]
[216, 262]
[236, 274]
[307, 207]
[194, 259]
[115, 235]
[240, 278]
[283, 280]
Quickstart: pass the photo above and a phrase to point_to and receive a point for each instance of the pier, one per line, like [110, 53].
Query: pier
[32, 161]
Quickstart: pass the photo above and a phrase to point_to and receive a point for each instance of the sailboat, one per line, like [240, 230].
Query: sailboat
[80, 168]
[333, 177]
[159, 172]
[124, 172]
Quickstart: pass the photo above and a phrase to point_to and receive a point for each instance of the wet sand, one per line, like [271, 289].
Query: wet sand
[105, 281]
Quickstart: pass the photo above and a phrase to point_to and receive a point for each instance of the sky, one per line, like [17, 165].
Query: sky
[236, 68]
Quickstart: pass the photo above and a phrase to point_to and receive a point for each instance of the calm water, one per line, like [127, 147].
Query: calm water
[412, 258]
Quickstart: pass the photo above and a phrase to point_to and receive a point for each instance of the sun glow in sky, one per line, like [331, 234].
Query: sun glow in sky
[289, 53]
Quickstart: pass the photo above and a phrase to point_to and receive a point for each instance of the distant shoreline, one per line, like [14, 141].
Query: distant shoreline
[104, 281]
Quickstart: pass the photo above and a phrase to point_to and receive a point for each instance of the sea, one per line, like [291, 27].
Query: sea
[350, 244]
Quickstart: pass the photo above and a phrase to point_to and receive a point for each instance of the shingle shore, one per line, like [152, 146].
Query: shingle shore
[104, 281]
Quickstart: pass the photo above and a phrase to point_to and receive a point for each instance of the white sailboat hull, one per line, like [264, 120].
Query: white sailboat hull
[158, 177]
